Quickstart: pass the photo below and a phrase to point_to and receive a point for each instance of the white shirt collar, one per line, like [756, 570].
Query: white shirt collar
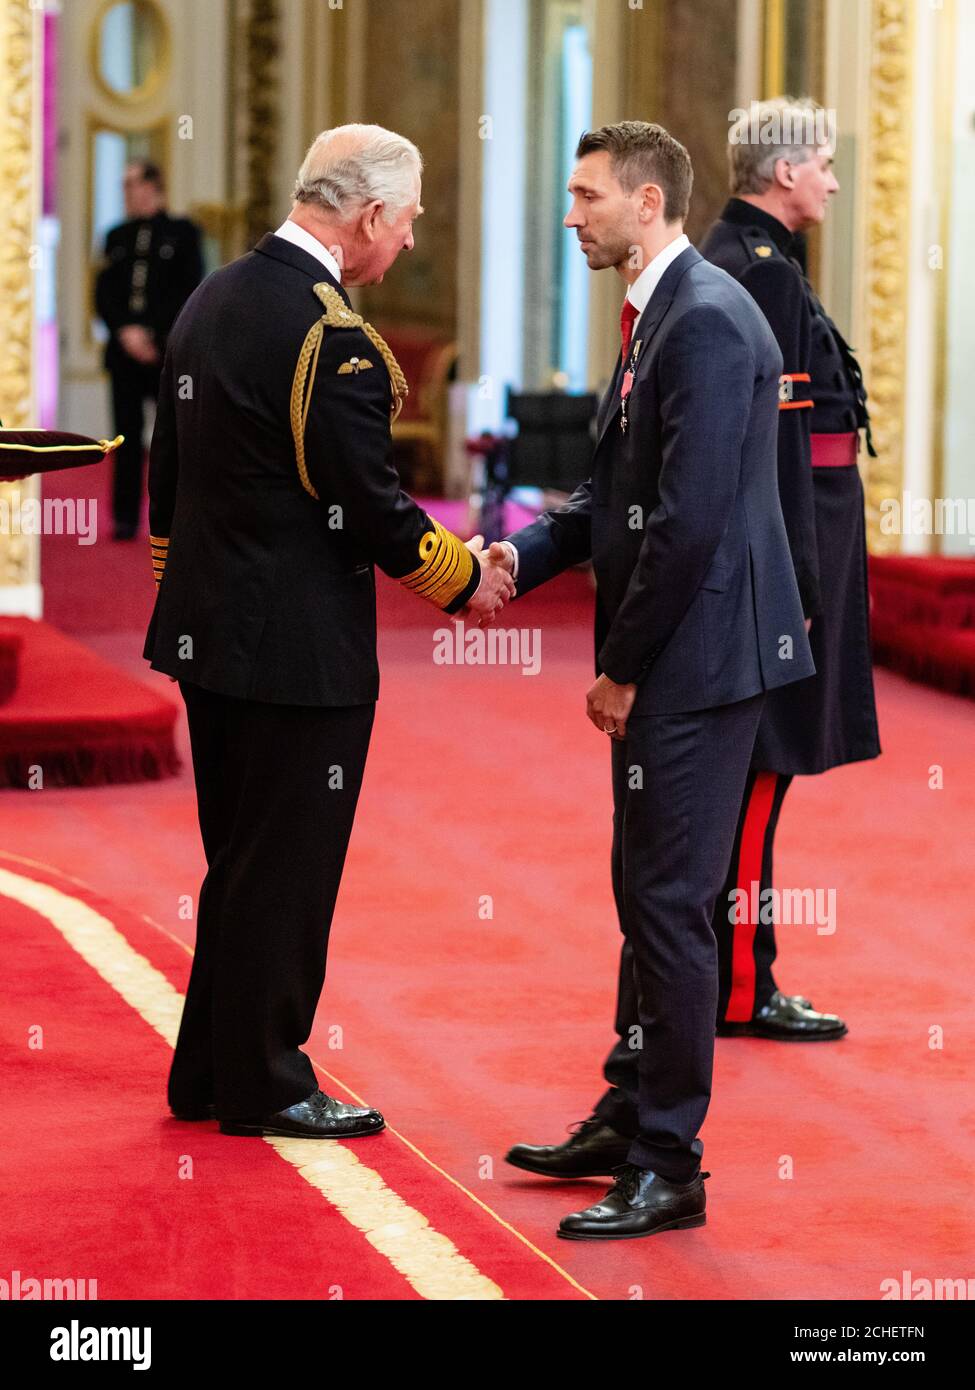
[298, 236]
[640, 292]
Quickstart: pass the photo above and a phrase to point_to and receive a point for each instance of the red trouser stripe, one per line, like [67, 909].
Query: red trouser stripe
[741, 1003]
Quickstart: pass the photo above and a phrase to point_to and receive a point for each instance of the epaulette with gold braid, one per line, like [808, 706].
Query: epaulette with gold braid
[337, 315]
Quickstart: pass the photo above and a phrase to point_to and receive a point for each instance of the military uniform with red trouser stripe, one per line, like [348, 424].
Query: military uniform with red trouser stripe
[823, 721]
[830, 719]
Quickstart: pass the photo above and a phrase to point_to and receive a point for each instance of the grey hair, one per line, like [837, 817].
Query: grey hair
[350, 166]
[782, 128]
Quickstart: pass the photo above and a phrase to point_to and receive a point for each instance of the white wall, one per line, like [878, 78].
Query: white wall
[959, 433]
[502, 210]
[196, 87]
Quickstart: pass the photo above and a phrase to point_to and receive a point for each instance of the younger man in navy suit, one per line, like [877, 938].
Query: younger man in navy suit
[697, 616]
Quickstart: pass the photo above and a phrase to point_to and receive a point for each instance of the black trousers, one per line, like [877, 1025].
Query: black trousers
[746, 949]
[277, 788]
[132, 385]
[678, 783]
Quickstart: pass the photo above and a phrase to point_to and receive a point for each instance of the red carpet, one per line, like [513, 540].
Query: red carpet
[154, 1208]
[835, 1166]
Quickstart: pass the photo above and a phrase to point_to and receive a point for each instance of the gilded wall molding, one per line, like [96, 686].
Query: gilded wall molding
[888, 247]
[19, 38]
[261, 47]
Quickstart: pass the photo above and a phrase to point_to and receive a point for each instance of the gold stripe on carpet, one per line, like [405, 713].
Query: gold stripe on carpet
[428, 1260]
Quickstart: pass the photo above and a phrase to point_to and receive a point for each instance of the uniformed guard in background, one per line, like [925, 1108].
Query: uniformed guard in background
[779, 191]
[152, 265]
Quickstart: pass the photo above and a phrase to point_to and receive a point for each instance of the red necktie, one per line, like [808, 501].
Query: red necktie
[628, 318]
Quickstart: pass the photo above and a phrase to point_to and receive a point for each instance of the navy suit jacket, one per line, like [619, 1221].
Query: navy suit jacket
[697, 600]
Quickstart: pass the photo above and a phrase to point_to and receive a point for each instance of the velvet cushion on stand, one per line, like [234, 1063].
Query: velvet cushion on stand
[23, 452]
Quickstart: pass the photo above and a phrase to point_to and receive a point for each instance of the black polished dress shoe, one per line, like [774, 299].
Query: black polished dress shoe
[593, 1150]
[318, 1117]
[787, 1018]
[639, 1203]
[194, 1112]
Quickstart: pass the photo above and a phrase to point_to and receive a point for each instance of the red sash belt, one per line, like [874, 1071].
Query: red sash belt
[834, 450]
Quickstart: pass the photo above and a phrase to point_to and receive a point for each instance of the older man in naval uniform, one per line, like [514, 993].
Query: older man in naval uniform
[272, 497]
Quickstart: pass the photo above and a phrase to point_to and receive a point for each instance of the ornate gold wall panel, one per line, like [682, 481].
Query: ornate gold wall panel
[793, 58]
[412, 85]
[19, 46]
[888, 245]
[679, 70]
[262, 41]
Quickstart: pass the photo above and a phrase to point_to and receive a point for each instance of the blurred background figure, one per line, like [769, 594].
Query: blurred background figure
[153, 263]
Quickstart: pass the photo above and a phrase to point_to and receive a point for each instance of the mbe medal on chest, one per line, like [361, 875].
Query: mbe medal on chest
[627, 386]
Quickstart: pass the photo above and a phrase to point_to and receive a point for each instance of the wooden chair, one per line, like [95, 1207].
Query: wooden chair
[428, 359]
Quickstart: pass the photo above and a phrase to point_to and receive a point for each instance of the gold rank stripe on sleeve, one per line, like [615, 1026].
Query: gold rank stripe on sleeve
[446, 569]
[159, 545]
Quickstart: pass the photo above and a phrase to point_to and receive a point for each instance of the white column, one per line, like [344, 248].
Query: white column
[958, 437]
[20, 153]
[503, 209]
[924, 211]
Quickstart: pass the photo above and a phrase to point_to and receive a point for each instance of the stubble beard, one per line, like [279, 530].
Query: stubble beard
[608, 256]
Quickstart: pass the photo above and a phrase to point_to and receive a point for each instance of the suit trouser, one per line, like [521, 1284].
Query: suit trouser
[132, 385]
[678, 782]
[277, 787]
[746, 950]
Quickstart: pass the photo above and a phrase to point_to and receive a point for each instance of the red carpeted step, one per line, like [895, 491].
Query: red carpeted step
[923, 618]
[73, 720]
[940, 656]
[924, 589]
[11, 643]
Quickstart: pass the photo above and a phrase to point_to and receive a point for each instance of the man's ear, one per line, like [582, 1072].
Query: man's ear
[785, 175]
[371, 215]
[652, 203]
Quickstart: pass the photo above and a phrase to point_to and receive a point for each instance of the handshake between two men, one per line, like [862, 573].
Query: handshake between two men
[497, 586]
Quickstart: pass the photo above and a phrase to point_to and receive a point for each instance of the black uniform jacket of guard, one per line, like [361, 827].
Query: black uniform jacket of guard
[696, 597]
[830, 719]
[267, 592]
[172, 269]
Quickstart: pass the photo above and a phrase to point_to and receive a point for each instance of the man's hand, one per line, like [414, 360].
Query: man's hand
[496, 586]
[500, 554]
[608, 705]
[137, 342]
